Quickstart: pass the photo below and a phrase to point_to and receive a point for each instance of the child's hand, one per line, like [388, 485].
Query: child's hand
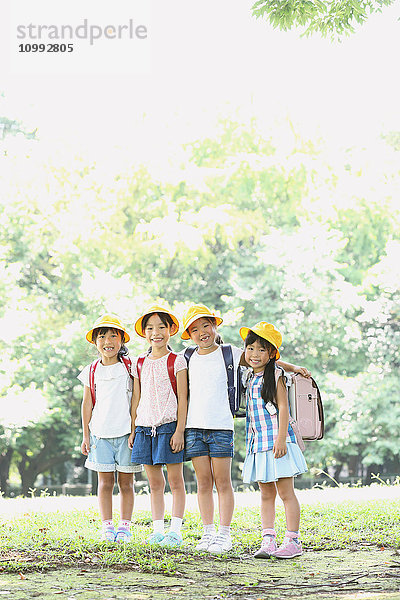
[130, 439]
[85, 446]
[177, 442]
[279, 448]
[302, 370]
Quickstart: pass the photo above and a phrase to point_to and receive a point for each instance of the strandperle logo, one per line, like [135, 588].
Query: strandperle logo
[84, 31]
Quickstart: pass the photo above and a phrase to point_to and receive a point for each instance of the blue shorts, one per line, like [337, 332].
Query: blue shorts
[111, 454]
[216, 443]
[155, 449]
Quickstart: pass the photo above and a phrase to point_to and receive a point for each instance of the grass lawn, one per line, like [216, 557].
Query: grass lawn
[351, 551]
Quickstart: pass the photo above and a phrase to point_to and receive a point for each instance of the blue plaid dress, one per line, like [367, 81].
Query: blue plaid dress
[261, 432]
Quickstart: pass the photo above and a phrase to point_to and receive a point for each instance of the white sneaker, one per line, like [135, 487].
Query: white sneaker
[220, 544]
[205, 542]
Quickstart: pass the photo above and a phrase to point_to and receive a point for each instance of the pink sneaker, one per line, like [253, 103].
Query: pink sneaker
[289, 549]
[268, 547]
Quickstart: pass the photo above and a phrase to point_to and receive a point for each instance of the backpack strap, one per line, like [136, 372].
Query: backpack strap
[128, 365]
[170, 366]
[92, 386]
[171, 372]
[230, 375]
[188, 353]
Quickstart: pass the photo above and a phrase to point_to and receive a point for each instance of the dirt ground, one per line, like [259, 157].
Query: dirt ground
[363, 575]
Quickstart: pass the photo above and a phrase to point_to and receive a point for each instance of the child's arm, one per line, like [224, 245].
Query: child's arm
[279, 448]
[177, 441]
[134, 406]
[86, 411]
[294, 368]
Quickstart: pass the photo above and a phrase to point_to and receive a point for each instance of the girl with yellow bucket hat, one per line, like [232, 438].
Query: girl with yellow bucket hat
[209, 426]
[273, 457]
[158, 420]
[106, 422]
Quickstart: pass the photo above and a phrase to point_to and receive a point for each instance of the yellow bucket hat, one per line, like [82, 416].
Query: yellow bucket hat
[111, 321]
[154, 309]
[266, 331]
[196, 312]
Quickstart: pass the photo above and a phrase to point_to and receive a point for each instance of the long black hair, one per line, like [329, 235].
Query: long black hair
[268, 390]
[123, 351]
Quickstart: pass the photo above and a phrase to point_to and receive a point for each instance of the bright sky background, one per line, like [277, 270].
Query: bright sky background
[208, 59]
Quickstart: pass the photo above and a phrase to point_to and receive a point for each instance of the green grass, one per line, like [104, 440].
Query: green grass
[41, 541]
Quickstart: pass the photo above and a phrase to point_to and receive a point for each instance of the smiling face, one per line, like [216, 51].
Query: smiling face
[158, 332]
[258, 355]
[203, 333]
[108, 343]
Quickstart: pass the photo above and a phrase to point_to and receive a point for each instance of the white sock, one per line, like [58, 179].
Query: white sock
[107, 523]
[225, 530]
[176, 525]
[124, 524]
[209, 528]
[158, 526]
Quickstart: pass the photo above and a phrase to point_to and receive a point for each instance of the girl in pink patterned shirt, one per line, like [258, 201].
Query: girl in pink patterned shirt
[159, 407]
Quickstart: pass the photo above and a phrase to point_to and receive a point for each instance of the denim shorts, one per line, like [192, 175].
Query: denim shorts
[217, 443]
[111, 454]
[151, 445]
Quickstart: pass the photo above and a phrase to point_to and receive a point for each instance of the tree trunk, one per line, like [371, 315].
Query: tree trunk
[5, 462]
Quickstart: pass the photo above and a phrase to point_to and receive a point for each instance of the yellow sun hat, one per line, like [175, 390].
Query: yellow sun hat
[197, 311]
[110, 321]
[266, 331]
[154, 309]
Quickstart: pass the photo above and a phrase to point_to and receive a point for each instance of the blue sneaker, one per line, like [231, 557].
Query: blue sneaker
[171, 540]
[108, 534]
[123, 535]
[155, 538]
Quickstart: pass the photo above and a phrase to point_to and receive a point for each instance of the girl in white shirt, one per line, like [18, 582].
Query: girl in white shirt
[106, 423]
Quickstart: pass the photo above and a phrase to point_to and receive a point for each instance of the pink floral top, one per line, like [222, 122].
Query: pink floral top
[158, 403]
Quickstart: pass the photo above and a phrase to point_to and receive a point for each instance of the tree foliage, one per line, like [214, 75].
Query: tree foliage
[253, 230]
[328, 17]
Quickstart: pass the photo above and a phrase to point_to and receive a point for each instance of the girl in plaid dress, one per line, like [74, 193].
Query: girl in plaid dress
[273, 457]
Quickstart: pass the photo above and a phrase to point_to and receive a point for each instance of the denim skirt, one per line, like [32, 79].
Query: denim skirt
[152, 444]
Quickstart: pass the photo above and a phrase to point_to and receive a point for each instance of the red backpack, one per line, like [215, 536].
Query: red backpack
[170, 366]
[128, 364]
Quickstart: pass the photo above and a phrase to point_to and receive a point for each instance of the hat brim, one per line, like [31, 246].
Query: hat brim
[244, 332]
[138, 324]
[89, 335]
[185, 335]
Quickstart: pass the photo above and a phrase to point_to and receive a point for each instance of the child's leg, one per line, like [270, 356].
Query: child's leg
[226, 501]
[177, 485]
[291, 545]
[292, 507]
[157, 488]
[205, 484]
[173, 539]
[125, 484]
[104, 493]
[126, 489]
[268, 497]
[222, 475]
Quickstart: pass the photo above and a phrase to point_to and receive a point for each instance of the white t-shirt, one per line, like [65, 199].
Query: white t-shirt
[208, 390]
[111, 416]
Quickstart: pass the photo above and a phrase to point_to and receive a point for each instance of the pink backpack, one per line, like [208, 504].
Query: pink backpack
[306, 410]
